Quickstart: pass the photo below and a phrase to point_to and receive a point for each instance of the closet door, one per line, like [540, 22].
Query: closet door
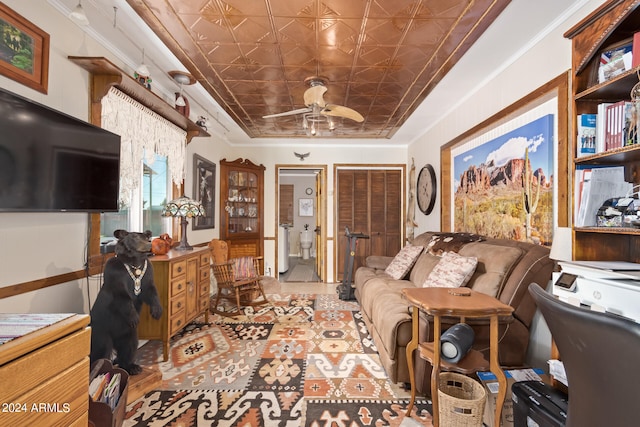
[369, 202]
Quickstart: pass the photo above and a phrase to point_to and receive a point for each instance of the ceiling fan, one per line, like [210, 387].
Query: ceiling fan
[317, 110]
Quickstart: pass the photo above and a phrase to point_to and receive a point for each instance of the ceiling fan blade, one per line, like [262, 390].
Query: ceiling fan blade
[314, 95]
[341, 111]
[288, 113]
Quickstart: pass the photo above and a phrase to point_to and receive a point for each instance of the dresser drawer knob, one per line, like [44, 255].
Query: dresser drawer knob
[179, 305]
[180, 286]
[180, 269]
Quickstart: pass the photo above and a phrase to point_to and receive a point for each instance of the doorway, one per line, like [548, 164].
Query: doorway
[301, 221]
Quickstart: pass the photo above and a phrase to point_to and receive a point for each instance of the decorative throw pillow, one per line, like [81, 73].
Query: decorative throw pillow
[244, 268]
[452, 271]
[403, 261]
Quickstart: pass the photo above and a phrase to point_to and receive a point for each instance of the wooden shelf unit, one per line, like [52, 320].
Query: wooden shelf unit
[242, 207]
[613, 22]
[106, 74]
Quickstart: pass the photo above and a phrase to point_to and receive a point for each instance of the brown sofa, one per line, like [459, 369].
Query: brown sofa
[505, 269]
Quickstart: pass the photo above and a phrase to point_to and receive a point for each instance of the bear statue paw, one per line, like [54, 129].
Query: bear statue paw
[133, 369]
[156, 311]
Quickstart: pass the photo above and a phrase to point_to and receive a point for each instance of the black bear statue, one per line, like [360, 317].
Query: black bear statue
[128, 283]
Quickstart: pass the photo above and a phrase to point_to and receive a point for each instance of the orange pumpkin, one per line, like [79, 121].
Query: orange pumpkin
[161, 245]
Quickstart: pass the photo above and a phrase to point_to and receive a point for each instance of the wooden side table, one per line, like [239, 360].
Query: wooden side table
[462, 303]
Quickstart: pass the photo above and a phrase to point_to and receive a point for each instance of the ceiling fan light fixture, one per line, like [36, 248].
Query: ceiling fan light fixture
[78, 15]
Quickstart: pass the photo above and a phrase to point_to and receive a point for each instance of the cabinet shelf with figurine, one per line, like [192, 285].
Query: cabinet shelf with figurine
[608, 28]
[241, 207]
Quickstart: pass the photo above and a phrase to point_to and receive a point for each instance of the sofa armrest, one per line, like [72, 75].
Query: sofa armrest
[378, 262]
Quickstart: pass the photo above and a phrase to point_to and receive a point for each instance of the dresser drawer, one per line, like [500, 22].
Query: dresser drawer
[178, 268]
[204, 274]
[38, 366]
[204, 304]
[205, 259]
[177, 287]
[177, 304]
[177, 322]
[204, 289]
[59, 400]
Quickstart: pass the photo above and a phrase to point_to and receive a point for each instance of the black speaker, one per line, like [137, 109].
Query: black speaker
[456, 342]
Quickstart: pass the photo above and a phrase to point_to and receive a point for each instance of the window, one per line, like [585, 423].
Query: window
[145, 209]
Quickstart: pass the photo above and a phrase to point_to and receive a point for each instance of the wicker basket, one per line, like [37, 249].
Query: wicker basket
[461, 401]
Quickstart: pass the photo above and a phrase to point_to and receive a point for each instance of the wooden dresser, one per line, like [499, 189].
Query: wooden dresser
[182, 279]
[44, 371]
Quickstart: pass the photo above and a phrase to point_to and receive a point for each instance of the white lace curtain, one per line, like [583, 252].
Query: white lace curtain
[142, 131]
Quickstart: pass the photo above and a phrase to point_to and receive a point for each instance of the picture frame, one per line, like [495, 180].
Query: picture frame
[24, 56]
[204, 191]
[305, 207]
[548, 104]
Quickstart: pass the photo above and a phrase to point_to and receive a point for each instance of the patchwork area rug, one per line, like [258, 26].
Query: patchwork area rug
[303, 360]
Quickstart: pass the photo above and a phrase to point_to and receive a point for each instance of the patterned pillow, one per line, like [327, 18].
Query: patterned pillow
[244, 268]
[452, 271]
[403, 261]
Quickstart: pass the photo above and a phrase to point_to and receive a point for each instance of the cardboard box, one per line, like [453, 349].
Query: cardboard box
[490, 383]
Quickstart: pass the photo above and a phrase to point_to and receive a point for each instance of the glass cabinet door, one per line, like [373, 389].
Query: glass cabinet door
[242, 202]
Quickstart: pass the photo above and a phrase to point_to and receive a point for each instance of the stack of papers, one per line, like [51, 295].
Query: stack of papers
[556, 369]
[106, 388]
[593, 188]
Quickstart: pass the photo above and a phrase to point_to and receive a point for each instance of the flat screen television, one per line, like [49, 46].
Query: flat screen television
[53, 162]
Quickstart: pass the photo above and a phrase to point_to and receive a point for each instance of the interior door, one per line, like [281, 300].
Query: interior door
[320, 214]
[369, 202]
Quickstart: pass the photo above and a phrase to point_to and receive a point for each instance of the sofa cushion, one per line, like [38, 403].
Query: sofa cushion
[495, 263]
[403, 261]
[452, 271]
[379, 262]
[423, 267]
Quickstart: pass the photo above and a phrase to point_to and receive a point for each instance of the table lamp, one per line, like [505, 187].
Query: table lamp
[183, 207]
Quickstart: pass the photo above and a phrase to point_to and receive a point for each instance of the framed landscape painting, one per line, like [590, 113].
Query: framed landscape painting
[500, 179]
[24, 50]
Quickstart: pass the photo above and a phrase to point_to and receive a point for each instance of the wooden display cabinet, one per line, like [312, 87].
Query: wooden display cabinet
[612, 23]
[182, 280]
[242, 207]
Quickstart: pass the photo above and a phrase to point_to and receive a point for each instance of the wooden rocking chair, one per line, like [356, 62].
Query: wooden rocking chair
[239, 280]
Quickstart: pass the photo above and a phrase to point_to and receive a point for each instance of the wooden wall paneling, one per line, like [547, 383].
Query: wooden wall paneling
[393, 201]
[285, 210]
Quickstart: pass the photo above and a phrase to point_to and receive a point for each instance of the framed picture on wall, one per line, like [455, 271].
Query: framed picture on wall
[204, 190]
[305, 207]
[25, 50]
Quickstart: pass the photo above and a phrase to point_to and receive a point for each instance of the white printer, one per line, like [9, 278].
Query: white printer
[606, 286]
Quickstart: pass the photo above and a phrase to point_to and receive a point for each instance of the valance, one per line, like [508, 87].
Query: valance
[143, 133]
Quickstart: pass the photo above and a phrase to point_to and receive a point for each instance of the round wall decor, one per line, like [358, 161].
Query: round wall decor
[308, 191]
[426, 187]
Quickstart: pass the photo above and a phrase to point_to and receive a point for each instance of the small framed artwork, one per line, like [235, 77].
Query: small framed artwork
[305, 207]
[204, 190]
[24, 50]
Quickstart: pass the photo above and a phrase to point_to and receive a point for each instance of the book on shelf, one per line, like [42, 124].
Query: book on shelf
[614, 125]
[586, 140]
[601, 126]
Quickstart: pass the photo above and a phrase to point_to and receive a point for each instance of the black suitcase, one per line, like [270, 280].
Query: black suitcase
[537, 403]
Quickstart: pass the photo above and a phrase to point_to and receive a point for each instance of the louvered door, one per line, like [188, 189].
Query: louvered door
[369, 202]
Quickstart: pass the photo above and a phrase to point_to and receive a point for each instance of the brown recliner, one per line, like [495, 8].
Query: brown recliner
[600, 356]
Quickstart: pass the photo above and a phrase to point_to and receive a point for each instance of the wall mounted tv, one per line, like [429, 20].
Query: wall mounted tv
[52, 162]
